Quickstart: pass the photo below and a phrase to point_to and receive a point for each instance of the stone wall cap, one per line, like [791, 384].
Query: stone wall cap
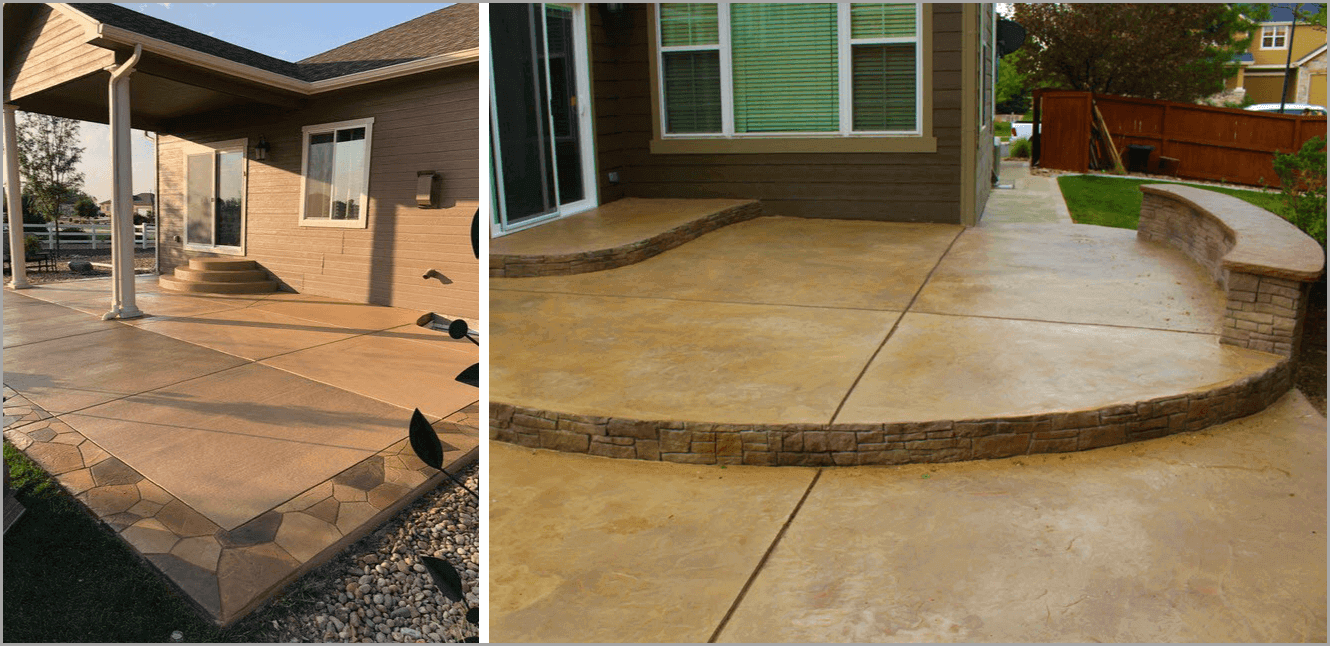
[1264, 243]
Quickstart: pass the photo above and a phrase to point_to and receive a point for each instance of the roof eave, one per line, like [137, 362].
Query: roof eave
[1314, 53]
[431, 63]
[209, 61]
[94, 30]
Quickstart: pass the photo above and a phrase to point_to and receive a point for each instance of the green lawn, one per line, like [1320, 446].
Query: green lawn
[68, 579]
[1116, 201]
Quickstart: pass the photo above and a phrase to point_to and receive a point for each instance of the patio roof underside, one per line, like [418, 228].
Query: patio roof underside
[163, 91]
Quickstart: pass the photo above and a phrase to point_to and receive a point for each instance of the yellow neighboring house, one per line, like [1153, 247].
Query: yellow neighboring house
[1262, 69]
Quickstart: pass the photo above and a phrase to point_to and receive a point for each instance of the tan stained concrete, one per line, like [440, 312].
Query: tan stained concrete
[618, 223]
[773, 321]
[251, 333]
[649, 358]
[402, 370]
[1073, 274]
[585, 549]
[165, 439]
[1213, 536]
[777, 261]
[237, 443]
[965, 367]
[75, 372]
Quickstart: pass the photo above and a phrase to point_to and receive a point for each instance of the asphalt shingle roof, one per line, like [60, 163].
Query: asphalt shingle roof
[447, 30]
[1283, 12]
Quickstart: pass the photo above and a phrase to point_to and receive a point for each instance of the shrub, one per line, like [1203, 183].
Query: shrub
[1302, 183]
[32, 245]
[1002, 129]
[1020, 149]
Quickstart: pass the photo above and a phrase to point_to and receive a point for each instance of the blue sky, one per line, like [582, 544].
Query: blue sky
[290, 32]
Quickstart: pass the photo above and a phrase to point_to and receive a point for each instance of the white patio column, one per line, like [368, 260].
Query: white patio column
[14, 202]
[122, 206]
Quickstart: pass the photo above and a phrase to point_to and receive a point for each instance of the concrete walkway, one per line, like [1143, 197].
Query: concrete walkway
[235, 441]
[1032, 199]
[1216, 536]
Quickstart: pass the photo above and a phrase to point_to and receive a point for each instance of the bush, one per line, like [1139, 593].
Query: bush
[32, 245]
[1002, 129]
[1302, 183]
[1020, 149]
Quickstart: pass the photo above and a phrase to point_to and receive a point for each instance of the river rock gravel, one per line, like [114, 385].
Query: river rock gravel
[377, 590]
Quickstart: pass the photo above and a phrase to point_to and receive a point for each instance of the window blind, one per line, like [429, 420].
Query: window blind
[784, 67]
[684, 24]
[878, 20]
[884, 86]
[692, 91]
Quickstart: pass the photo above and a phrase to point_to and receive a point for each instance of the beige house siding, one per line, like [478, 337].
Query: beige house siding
[915, 187]
[425, 122]
[54, 51]
[1305, 40]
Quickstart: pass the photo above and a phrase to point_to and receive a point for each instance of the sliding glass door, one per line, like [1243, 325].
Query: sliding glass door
[215, 197]
[540, 114]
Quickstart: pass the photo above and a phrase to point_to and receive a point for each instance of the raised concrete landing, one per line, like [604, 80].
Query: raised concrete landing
[850, 342]
[1215, 536]
[234, 441]
[619, 233]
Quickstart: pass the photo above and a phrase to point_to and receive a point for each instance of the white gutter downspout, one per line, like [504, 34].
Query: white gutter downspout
[122, 209]
[18, 262]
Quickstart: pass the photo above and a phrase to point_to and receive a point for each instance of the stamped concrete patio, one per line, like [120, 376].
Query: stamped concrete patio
[234, 441]
[833, 323]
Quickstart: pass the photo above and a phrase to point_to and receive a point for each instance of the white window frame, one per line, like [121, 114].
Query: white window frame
[215, 147]
[844, 43]
[1278, 35]
[362, 221]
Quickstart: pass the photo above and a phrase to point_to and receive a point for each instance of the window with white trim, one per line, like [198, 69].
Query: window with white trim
[1274, 37]
[755, 70]
[335, 174]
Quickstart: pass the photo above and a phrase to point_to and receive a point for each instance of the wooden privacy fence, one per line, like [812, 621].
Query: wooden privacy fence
[1216, 144]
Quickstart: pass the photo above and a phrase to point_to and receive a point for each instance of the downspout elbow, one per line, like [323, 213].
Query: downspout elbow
[127, 66]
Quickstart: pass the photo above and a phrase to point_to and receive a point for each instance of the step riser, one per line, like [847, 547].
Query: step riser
[217, 276]
[221, 264]
[170, 283]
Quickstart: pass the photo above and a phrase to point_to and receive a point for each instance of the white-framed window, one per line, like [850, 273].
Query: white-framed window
[1274, 37]
[771, 70]
[334, 171]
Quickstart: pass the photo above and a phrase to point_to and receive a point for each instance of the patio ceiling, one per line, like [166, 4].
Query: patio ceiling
[161, 91]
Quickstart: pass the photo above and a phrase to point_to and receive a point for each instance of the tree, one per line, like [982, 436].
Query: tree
[86, 208]
[1171, 51]
[1013, 88]
[48, 154]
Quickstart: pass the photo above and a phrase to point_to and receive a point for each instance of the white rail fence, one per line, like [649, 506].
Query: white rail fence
[84, 236]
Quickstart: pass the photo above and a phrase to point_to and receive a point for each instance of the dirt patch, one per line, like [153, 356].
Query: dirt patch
[145, 261]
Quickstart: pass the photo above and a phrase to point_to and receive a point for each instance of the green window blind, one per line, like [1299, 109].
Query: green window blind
[884, 86]
[684, 24]
[692, 91]
[882, 20]
[784, 67]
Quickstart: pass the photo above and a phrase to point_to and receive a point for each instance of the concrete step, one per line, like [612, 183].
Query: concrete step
[189, 274]
[174, 284]
[222, 264]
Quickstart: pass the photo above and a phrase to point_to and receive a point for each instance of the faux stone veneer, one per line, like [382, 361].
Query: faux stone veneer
[1263, 262]
[582, 262]
[887, 443]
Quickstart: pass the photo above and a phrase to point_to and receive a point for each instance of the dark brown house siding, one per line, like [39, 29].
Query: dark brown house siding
[425, 122]
[905, 187]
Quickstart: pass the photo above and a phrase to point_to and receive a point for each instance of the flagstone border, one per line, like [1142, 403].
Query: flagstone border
[226, 574]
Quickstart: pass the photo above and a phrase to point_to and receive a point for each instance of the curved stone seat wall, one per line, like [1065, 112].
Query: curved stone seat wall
[1263, 262]
[888, 443]
[517, 266]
